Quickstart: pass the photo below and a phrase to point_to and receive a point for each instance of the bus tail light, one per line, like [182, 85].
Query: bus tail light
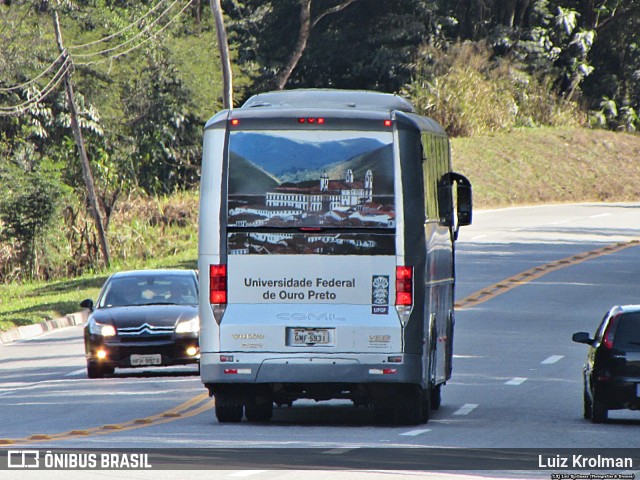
[404, 285]
[404, 293]
[218, 284]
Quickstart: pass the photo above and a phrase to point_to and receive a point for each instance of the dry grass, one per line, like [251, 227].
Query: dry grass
[550, 165]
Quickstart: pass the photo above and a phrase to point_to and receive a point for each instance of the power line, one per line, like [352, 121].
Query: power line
[150, 37]
[22, 85]
[68, 63]
[131, 25]
[141, 32]
[41, 94]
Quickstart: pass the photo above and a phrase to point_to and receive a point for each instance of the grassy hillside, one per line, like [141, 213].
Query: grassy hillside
[550, 165]
[520, 167]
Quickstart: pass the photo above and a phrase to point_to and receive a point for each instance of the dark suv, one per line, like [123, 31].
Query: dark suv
[612, 371]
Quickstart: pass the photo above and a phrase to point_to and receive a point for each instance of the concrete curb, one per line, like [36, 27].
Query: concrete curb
[30, 331]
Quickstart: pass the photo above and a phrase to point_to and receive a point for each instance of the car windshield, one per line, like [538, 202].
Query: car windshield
[150, 290]
[627, 336]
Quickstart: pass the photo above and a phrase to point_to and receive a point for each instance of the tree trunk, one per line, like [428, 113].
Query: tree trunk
[306, 25]
[301, 44]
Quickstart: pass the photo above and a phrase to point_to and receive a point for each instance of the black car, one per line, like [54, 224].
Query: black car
[143, 318]
[612, 371]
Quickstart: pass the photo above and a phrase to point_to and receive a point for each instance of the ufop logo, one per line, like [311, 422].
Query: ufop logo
[23, 459]
[380, 294]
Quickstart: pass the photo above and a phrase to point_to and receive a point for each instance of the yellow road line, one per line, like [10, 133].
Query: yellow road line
[191, 407]
[527, 276]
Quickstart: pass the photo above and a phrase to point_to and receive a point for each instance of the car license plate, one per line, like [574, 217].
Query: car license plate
[310, 336]
[144, 360]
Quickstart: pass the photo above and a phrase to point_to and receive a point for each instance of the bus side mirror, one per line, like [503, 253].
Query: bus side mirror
[445, 201]
[465, 207]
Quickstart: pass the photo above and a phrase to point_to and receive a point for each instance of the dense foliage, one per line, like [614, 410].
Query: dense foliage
[146, 77]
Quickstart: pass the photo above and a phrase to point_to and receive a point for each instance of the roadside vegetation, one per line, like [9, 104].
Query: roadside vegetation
[541, 99]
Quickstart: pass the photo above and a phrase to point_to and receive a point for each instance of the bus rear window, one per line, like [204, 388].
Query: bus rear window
[310, 179]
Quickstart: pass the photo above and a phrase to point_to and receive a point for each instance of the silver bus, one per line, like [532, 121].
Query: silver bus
[327, 226]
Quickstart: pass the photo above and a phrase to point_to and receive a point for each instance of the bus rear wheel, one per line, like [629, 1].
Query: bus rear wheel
[410, 406]
[229, 413]
[229, 408]
[259, 412]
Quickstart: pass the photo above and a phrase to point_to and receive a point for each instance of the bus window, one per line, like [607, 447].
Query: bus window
[297, 191]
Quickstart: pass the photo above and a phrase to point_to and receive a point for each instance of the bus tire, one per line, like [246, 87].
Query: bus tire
[436, 397]
[259, 412]
[427, 405]
[229, 413]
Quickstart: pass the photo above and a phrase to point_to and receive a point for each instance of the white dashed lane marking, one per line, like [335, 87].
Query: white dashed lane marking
[246, 473]
[516, 381]
[414, 433]
[466, 409]
[552, 359]
[338, 451]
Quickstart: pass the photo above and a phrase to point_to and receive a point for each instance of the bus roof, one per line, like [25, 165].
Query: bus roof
[330, 99]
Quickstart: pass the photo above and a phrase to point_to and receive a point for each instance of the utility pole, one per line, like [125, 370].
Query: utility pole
[86, 167]
[223, 46]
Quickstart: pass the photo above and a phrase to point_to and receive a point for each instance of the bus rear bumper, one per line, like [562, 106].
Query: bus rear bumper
[300, 368]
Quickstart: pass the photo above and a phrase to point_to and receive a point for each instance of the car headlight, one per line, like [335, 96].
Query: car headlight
[102, 329]
[189, 326]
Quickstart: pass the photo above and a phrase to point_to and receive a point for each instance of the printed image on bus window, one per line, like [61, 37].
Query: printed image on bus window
[284, 181]
[322, 179]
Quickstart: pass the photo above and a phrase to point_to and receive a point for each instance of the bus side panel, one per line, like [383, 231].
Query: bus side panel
[439, 275]
[210, 248]
[412, 233]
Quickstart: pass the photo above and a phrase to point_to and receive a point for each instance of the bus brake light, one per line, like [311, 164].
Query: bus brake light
[311, 120]
[404, 285]
[218, 284]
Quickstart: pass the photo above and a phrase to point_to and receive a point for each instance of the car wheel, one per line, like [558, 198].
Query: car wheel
[97, 371]
[599, 410]
[586, 401]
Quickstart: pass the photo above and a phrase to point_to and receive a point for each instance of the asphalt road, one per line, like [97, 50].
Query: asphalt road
[516, 380]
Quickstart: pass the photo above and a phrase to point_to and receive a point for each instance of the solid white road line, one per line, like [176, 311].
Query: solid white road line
[516, 381]
[76, 372]
[552, 359]
[466, 409]
[339, 451]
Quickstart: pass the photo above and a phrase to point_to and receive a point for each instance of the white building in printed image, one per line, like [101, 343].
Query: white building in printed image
[323, 196]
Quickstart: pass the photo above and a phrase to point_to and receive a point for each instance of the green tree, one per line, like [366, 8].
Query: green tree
[368, 44]
[29, 201]
[159, 116]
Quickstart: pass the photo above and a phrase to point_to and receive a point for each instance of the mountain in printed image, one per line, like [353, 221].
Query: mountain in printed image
[281, 156]
[247, 178]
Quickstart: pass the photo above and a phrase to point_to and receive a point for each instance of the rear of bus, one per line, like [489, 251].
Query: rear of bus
[303, 291]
